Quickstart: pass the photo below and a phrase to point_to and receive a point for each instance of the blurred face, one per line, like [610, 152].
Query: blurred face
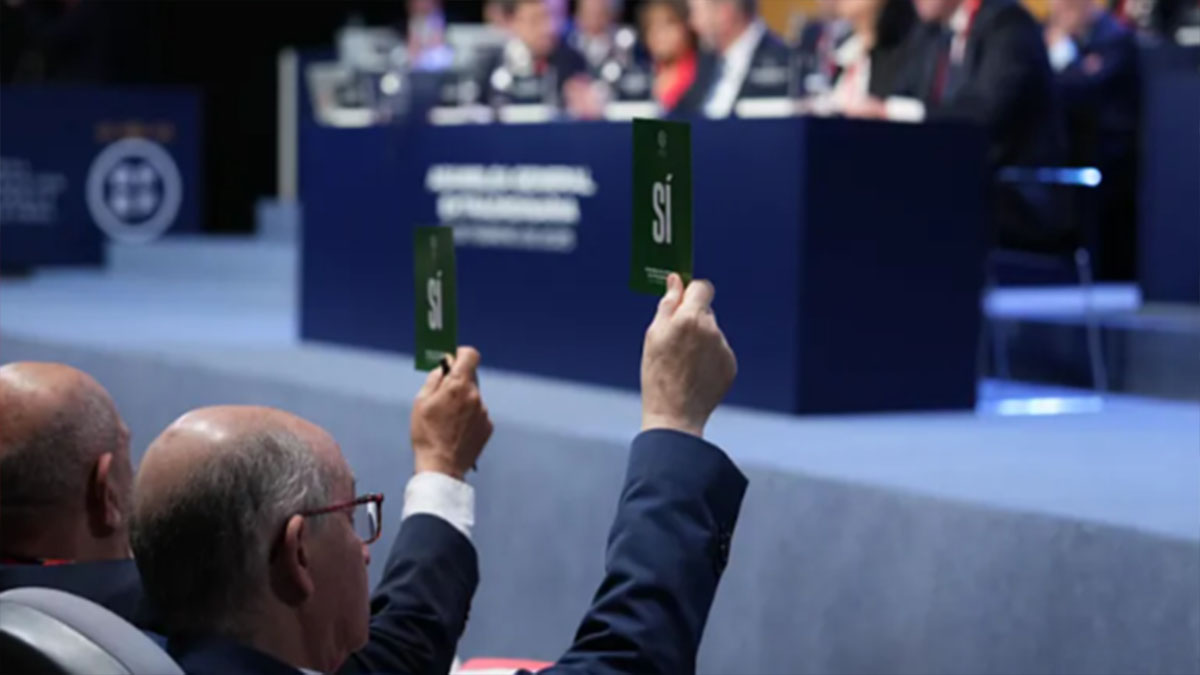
[339, 566]
[593, 17]
[1070, 16]
[703, 18]
[665, 35]
[532, 24]
[421, 7]
[859, 13]
[936, 10]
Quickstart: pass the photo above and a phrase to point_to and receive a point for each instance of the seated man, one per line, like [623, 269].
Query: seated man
[244, 528]
[66, 485]
[1095, 58]
[984, 61]
[535, 66]
[253, 547]
[746, 59]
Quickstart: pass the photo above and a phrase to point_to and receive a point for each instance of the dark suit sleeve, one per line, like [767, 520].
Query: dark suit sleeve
[420, 608]
[667, 549]
[1116, 75]
[1013, 71]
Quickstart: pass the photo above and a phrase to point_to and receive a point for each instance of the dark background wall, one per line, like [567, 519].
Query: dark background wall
[225, 48]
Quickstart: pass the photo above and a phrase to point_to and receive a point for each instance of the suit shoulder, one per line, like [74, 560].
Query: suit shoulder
[772, 45]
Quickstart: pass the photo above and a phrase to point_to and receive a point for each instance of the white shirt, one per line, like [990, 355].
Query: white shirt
[904, 109]
[853, 82]
[439, 495]
[735, 65]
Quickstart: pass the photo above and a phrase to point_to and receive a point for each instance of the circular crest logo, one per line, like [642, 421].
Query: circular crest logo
[134, 190]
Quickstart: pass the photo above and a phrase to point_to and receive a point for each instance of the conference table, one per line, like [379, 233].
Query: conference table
[847, 255]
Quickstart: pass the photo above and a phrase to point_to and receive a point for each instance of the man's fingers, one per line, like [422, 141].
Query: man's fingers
[465, 363]
[670, 300]
[432, 382]
[698, 297]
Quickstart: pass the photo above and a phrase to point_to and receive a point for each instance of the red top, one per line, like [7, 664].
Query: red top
[670, 84]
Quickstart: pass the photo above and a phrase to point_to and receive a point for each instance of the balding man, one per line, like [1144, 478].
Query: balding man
[66, 482]
[244, 528]
[253, 545]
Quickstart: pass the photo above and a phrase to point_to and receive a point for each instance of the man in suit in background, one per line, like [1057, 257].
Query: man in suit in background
[1095, 58]
[984, 61]
[746, 60]
[535, 66]
[66, 482]
[243, 529]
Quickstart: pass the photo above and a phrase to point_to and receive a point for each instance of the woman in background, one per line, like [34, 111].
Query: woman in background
[871, 59]
[672, 47]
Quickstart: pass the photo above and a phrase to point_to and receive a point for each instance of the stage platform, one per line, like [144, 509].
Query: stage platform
[1050, 531]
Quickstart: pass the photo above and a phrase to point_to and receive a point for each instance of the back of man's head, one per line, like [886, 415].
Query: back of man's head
[216, 501]
[65, 471]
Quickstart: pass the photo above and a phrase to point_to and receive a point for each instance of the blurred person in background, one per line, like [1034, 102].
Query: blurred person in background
[66, 486]
[1095, 58]
[673, 50]
[536, 66]
[816, 40]
[746, 60]
[425, 36]
[871, 60]
[594, 31]
[985, 61]
[493, 14]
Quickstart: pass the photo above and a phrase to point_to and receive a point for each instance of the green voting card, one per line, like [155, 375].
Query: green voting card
[436, 302]
[662, 204]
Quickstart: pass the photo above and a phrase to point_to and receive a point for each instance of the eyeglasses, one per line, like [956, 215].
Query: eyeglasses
[366, 515]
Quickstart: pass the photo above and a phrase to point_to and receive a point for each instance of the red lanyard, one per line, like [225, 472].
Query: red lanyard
[42, 562]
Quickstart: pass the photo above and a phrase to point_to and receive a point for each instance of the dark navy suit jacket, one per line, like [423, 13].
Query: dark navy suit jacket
[667, 549]
[418, 612]
[114, 584]
[769, 76]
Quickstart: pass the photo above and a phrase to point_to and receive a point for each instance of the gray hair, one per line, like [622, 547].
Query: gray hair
[204, 549]
[51, 467]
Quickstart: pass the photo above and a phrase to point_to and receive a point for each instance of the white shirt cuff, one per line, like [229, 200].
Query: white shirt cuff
[903, 109]
[439, 495]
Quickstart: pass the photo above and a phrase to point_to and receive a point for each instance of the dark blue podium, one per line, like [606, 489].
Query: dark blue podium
[847, 256]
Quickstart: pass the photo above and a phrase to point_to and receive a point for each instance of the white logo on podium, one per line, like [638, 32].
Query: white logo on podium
[134, 190]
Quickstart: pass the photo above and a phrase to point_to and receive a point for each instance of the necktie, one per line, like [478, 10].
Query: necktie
[942, 67]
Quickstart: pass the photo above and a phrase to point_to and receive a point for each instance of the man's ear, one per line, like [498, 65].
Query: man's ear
[291, 571]
[104, 504]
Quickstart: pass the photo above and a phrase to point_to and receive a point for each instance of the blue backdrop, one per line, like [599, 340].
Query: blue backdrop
[55, 142]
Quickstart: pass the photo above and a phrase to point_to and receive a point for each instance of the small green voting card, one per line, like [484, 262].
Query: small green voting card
[436, 302]
[662, 204]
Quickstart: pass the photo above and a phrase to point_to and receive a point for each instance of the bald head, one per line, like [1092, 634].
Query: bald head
[57, 424]
[211, 494]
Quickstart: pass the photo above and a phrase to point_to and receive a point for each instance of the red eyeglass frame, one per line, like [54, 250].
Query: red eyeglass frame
[375, 497]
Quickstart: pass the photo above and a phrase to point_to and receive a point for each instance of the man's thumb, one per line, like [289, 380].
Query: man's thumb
[674, 295]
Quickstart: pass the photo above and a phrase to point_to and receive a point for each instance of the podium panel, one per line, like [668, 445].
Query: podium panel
[847, 255]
